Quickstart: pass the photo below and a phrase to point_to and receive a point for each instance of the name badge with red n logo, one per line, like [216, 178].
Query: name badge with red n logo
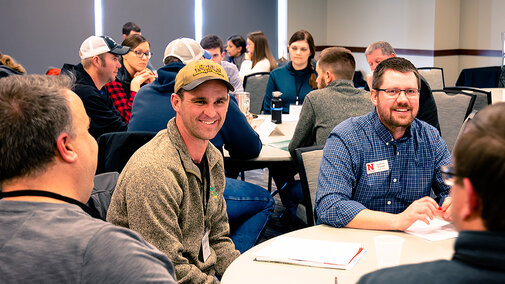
[376, 167]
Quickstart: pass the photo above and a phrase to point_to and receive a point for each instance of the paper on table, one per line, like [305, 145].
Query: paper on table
[437, 230]
[328, 254]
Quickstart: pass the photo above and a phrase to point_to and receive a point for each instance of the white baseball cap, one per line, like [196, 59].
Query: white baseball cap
[95, 45]
[185, 49]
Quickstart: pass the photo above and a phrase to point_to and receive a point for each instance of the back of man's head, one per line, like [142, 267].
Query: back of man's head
[129, 27]
[34, 112]
[479, 155]
[212, 41]
[397, 64]
[384, 46]
[339, 61]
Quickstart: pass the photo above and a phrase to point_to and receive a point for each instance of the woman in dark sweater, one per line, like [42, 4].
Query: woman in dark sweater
[297, 78]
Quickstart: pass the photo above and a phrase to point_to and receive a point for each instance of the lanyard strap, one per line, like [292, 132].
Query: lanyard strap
[32, 192]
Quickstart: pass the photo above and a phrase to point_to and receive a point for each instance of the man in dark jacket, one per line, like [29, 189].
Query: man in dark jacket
[99, 65]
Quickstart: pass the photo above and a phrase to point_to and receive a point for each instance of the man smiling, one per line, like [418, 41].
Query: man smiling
[171, 190]
[378, 170]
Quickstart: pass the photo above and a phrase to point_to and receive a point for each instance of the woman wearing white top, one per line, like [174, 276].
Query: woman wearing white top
[258, 57]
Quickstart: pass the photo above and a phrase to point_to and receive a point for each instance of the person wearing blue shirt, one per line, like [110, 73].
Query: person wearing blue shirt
[378, 170]
[295, 79]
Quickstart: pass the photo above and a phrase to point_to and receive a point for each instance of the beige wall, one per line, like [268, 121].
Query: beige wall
[410, 24]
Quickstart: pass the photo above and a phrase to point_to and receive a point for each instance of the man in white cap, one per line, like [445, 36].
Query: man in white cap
[171, 190]
[99, 65]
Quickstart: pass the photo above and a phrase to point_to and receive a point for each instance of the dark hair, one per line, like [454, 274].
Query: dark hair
[133, 41]
[34, 112]
[212, 41]
[339, 61]
[398, 64]
[306, 36]
[170, 59]
[239, 41]
[130, 26]
[479, 155]
[261, 49]
[384, 46]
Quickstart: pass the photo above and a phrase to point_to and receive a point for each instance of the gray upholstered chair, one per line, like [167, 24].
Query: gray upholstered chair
[482, 99]
[452, 109]
[256, 84]
[434, 76]
[309, 160]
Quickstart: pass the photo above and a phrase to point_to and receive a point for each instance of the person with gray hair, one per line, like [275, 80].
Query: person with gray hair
[381, 50]
[477, 180]
[46, 175]
[378, 170]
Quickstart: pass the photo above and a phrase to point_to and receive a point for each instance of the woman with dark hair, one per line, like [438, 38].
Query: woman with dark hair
[8, 66]
[258, 57]
[236, 49]
[297, 78]
[132, 74]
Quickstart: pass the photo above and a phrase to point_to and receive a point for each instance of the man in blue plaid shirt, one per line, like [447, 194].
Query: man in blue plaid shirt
[378, 170]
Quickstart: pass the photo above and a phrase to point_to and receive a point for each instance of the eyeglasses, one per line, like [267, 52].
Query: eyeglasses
[141, 54]
[448, 175]
[394, 93]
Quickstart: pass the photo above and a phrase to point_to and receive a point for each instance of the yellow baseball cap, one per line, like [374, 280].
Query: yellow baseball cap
[197, 72]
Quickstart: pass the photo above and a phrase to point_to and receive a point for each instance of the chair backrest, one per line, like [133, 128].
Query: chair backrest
[256, 84]
[116, 148]
[309, 160]
[434, 76]
[102, 193]
[482, 99]
[452, 109]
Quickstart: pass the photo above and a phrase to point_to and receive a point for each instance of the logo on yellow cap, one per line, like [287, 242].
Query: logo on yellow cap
[207, 68]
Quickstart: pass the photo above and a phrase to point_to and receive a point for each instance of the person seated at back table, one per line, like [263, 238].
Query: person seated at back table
[48, 234]
[336, 100]
[380, 50]
[258, 57]
[215, 47]
[235, 50]
[295, 79]
[477, 177]
[378, 170]
[132, 75]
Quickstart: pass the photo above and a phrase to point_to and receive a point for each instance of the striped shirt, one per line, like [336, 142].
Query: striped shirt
[364, 167]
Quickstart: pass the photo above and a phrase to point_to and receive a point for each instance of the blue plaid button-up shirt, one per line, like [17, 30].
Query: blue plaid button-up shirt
[363, 166]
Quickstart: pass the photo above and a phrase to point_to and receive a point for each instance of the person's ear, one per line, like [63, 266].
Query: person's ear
[65, 148]
[373, 96]
[473, 204]
[176, 102]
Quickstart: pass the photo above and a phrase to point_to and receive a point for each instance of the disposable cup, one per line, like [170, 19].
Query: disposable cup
[388, 249]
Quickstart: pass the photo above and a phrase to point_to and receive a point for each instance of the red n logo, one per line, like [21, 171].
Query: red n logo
[369, 167]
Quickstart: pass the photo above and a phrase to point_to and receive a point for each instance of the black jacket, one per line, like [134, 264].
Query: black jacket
[99, 107]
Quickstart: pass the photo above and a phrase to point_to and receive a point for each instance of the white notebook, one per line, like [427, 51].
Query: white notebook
[328, 254]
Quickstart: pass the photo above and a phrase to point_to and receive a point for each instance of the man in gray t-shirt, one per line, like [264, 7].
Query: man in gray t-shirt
[46, 175]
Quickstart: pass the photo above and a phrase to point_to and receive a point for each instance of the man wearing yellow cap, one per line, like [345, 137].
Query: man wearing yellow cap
[171, 190]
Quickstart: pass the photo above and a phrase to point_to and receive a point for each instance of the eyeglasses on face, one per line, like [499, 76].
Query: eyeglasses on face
[394, 93]
[141, 54]
[448, 175]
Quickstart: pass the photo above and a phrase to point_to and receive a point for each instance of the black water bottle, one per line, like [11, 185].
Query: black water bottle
[276, 107]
